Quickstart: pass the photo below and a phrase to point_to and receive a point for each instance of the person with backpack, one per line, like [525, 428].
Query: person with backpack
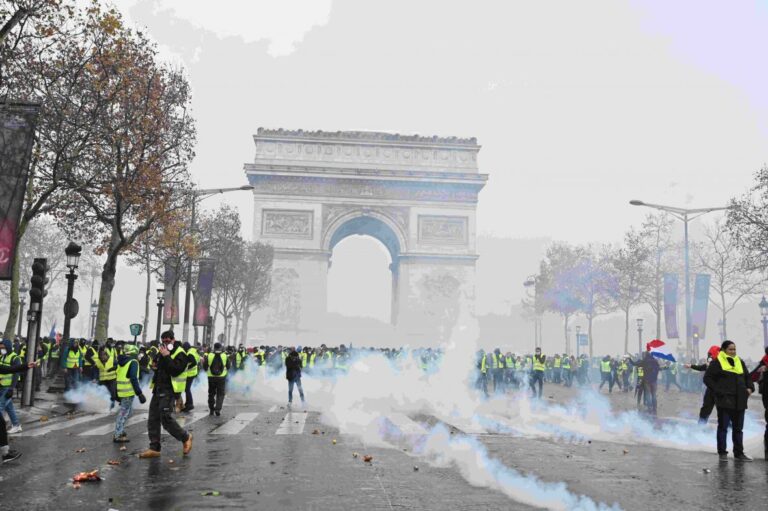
[216, 365]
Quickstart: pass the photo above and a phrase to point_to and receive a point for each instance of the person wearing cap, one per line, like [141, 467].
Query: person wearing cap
[732, 385]
[127, 387]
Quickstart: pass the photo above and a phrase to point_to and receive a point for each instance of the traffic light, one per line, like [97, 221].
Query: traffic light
[38, 281]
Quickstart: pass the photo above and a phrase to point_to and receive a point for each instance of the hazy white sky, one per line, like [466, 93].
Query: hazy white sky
[579, 106]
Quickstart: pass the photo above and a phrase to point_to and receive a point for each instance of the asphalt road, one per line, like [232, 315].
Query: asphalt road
[259, 455]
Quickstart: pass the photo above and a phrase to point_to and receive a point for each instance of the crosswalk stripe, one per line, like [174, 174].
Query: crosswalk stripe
[273, 409]
[109, 428]
[405, 424]
[63, 425]
[293, 424]
[236, 425]
[185, 420]
[468, 426]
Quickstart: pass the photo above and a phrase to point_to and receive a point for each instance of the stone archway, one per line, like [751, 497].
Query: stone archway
[417, 195]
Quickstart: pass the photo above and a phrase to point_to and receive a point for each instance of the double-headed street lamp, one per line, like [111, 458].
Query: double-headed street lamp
[229, 327]
[685, 215]
[94, 312]
[530, 283]
[197, 196]
[764, 313]
[639, 337]
[160, 303]
[23, 290]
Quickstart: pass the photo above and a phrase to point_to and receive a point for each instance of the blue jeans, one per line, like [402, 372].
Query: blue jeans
[291, 383]
[6, 405]
[126, 406]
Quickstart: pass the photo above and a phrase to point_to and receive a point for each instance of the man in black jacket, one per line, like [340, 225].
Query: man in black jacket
[293, 374]
[170, 368]
[731, 383]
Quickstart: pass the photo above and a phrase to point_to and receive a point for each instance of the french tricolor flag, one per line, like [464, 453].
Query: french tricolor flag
[660, 350]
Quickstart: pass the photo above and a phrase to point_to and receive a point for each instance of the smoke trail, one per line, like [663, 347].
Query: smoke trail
[89, 397]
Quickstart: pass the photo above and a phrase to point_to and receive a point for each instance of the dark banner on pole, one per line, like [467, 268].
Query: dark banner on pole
[699, 310]
[17, 131]
[670, 305]
[171, 298]
[204, 290]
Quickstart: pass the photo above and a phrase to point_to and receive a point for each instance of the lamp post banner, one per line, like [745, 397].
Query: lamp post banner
[171, 296]
[204, 291]
[17, 130]
[670, 305]
[699, 310]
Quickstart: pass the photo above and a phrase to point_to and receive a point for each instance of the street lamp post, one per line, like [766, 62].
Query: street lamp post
[197, 196]
[70, 306]
[94, 312]
[23, 290]
[764, 313]
[639, 337]
[92, 326]
[578, 331]
[160, 303]
[685, 215]
[229, 327]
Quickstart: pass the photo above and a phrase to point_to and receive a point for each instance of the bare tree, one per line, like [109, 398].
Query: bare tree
[663, 258]
[628, 264]
[561, 281]
[731, 279]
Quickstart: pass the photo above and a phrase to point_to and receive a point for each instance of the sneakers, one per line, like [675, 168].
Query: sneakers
[218, 413]
[188, 444]
[210, 412]
[121, 440]
[723, 457]
[12, 455]
[743, 457]
[149, 453]
[14, 430]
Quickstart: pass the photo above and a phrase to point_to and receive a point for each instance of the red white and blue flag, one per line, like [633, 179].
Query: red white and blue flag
[659, 349]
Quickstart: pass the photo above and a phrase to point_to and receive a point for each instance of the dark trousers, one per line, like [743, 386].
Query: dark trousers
[111, 386]
[72, 378]
[537, 377]
[765, 437]
[650, 396]
[735, 419]
[606, 378]
[217, 388]
[3, 432]
[706, 406]
[161, 413]
[672, 380]
[189, 402]
[498, 380]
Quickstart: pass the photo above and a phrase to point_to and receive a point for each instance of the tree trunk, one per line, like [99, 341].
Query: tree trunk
[246, 318]
[626, 330]
[659, 307]
[105, 291]
[725, 322]
[213, 323]
[589, 333]
[565, 332]
[13, 311]
[148, 269]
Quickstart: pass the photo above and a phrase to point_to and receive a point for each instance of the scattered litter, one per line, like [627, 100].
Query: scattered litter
[171, 462]
[415, 468]
[589, 441]
[123, 448]
[113, 462]
[367, 458]
[626, 451]
[44, 418]
[82, 449]
[272, 462]
[334, 441]
[86, 476]
[355, 455]
[296, 422]
[568, 456]
[706, 470]
[322, 432]
[212, 493]
[315, 431]
[405, 450]
[76, 486]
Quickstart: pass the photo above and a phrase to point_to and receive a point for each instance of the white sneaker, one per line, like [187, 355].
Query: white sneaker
[15, 429]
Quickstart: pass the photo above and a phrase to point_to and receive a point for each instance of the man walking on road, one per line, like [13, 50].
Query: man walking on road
[169, 379]
[293, 375]
[127, 388]
[216, 366]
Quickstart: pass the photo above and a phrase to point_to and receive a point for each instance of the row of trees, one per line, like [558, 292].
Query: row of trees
[110, 162]
[596, 280]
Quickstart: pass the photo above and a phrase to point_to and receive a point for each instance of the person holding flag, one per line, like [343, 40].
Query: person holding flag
[732, 385]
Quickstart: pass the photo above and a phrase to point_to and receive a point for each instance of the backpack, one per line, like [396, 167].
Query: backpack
[217, 365]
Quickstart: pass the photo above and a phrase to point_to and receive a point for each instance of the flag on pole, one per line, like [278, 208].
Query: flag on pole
[659, 349]
[52, 333]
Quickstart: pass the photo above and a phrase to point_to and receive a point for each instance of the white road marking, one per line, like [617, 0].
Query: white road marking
[293, 424]
[236, 425]
[109, 428]
[405, 424]
[185, 420]
[273, 409]
[63, 425]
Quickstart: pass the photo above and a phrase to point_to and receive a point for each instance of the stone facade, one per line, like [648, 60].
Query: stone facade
[417, 195]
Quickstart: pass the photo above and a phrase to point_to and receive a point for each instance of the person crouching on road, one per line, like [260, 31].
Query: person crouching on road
[293, 375]
[729, 379]
[170, 369]
[216, 365]
[127, 387]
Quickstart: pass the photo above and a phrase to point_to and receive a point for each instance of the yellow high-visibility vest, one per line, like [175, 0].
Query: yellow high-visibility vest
[736, 368]
[124, 385]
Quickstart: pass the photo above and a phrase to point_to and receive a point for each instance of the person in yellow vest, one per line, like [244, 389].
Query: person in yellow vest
[73, 365]
[89, 361]
[192, 369]
[566, 370]
[624, 370]
[106, 364]
[557, 365]
[9, 360]
[732, 385]
[127, 388]
[497, 363]
[537, 372]
[509, 370]
[170, 368]
[216, 365]
[482, 371]
[606, 375]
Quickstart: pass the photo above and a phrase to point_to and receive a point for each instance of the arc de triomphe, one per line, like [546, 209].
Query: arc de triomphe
[417, 195]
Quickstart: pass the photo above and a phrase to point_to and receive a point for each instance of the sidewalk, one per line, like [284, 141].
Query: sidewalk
[46, 405]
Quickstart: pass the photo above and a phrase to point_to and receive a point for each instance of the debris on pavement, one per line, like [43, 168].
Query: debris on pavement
[82, 449]
[113, 462]
[355, 455]
[315, 431]
[171, 462]
[367, 458]
[86, 476]
[123, 448]
[44, 418]
[212, 493]
[76, 486]
[415, 468]
[334, 441]
[626, 451]
[272, 462]
[706, 470]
